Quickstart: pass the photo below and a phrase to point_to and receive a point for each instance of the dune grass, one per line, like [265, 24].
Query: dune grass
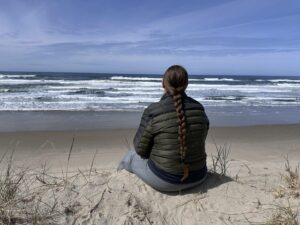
[284, 215]
[22, 191]
[20, 203]
[220, 161]
[292, 178]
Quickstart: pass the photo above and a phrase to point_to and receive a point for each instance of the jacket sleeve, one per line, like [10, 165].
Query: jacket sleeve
[143, 139]
[208, 123]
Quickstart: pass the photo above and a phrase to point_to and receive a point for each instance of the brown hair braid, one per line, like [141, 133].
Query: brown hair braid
[175, 82]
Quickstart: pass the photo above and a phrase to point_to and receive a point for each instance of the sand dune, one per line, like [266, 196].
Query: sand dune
[252, 191]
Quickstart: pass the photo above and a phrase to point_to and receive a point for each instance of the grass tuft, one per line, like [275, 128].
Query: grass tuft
[284, 215]
[18, 203]
[292, 182]
[220, 162]
[292, 178]
[69, 157]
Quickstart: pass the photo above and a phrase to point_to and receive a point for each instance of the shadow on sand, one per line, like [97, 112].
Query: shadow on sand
[213, 180]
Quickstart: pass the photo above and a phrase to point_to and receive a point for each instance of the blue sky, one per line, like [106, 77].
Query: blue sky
[250, 37]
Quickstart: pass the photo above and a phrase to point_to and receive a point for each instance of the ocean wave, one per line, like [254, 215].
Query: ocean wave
[225, 98]
[284, 81]
[239, 88]
[219, 79]
[87, 91]
[82, 104]
[4, 90]
[135, 78]
[17, 75]
[24, 81]
[160, 79]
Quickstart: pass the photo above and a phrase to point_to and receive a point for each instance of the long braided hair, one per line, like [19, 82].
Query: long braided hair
[175, 82]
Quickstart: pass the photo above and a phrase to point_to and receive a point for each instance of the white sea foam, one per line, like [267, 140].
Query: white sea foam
[285, 80]
[135, 78]
[160, 79]
[211, 79]
[16, 75]
[25, 81]
[220, 79]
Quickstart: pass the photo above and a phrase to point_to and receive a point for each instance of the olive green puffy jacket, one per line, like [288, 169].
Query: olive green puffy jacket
[157, 135]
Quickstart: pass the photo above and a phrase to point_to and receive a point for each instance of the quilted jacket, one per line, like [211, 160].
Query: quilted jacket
[157, 136]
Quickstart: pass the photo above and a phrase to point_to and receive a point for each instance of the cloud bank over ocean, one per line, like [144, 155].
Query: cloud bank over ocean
[258, 37]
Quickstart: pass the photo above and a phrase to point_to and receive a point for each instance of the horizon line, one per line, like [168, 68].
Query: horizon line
[147, 74]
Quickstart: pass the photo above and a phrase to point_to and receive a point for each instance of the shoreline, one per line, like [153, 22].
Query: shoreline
[12, 121]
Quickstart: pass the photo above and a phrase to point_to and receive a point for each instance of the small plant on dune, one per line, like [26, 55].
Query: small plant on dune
[220, 162]
[292, 181]
[284, 215]
[69, 157]
[92, 163]
[10, 182]
[292, 178]
[279, 192]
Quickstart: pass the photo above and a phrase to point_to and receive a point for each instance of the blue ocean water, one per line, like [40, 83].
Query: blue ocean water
[23, 91]
[100, 99]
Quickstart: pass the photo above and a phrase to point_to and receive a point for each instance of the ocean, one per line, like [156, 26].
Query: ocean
[261, 99]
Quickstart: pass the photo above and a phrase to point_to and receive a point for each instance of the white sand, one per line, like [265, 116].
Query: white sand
[111, 197]
[248, 194]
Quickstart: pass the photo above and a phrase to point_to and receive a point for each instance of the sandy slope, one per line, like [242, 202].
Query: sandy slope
[250, 193]
[112, 197]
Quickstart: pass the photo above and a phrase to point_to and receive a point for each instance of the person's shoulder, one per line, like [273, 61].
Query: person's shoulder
[164, 105]
[151, 108]
[192, 103]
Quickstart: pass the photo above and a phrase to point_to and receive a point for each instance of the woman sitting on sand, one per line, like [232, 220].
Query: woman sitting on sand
[170, 142]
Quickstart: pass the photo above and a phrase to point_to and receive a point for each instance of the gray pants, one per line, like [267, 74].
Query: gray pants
[133, 163]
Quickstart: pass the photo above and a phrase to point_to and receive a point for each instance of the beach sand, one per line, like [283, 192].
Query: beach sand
[95, 193]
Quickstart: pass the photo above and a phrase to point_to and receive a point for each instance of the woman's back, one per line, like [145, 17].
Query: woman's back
[157, 136]
[170, 142]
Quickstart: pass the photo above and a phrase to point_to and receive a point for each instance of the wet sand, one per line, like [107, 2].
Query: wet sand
[253, 143]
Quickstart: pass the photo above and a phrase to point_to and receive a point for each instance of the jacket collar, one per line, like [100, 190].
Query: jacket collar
[166, 95]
